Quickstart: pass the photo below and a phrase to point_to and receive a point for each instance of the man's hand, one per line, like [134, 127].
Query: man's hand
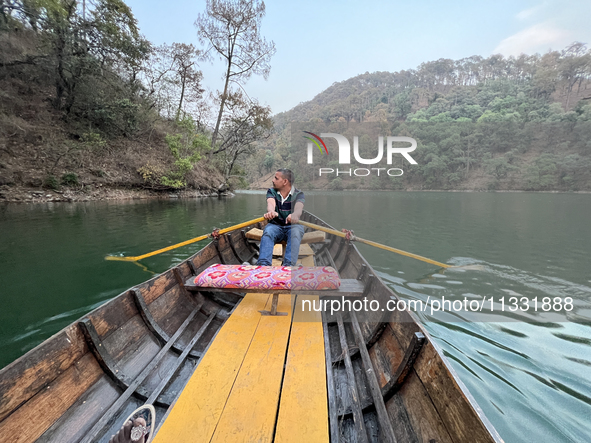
[270, 215]
[292, 219]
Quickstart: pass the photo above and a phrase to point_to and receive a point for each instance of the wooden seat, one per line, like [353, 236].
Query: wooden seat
[309, 237]
[348, 288]
[279, 249]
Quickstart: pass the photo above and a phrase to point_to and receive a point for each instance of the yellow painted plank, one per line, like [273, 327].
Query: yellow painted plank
[196, 413]
[303, 412]
[251, 410]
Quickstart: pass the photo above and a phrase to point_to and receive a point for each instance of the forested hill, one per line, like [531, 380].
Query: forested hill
[481, 123]
[87, 103]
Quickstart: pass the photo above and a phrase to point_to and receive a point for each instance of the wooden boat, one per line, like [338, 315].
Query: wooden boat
[385, 378]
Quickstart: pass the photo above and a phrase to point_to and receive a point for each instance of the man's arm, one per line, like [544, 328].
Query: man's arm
[297, 213]
[271, 213]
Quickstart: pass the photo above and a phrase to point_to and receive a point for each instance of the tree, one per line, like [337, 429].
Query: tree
[246, 123]
[232, 29]
[574, 65]
[173, 80]
[186, 147]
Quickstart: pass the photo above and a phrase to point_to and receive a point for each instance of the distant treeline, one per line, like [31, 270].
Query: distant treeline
[481, 123]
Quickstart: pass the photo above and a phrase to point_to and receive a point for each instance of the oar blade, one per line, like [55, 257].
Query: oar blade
[117, 258]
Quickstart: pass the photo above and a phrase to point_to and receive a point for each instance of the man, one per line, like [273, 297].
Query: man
[285, 204]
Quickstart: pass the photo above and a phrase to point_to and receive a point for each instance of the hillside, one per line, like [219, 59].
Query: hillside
[481, 124]
[45, 158]
[86, 112]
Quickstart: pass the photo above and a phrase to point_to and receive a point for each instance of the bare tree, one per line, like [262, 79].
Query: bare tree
[174, 82]
[244, 124]
[231, 28]
[189, 77]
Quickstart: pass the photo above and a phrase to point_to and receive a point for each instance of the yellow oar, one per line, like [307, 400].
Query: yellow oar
[372, 243]
[188, 242]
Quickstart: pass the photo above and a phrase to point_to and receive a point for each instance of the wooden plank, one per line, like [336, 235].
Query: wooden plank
[303, 411]
[108, 415]
[348, 288]
[196, 412]
[79, 418]
[421, 415]
[113, 314]
[405, 367]
[278, 250]
[309, 261]
[309, 237]
[304, 250]
[22, 379]
[179, 361]
[462, 420]
[32, 419]
[384, 420]
[352, 384]
[154, 327]
[251, 410]
[332, 394]
[154, 288]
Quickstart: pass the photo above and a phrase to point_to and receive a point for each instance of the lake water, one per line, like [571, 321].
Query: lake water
[530, 373]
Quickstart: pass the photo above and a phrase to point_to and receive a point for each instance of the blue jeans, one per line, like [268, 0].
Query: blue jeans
[291, 234]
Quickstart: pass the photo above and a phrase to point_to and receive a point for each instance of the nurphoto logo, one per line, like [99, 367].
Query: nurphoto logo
[344, 150]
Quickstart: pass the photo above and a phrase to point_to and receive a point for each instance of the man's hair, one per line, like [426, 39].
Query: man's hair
[287, 174]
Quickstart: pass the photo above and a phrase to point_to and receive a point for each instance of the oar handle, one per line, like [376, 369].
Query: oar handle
[187, 242]
[375, 244]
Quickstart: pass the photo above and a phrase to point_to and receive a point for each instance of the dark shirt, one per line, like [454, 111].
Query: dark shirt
[286, 207]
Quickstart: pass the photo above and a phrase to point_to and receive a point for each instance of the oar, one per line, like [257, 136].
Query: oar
[373, 243]
[188, 242]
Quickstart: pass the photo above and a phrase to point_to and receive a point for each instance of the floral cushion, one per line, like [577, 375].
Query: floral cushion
[269, 277]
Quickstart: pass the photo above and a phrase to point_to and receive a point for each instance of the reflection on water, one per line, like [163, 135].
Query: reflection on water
[530, 376]
[528, 370]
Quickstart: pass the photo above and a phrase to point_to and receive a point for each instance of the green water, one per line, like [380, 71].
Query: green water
[532, 377]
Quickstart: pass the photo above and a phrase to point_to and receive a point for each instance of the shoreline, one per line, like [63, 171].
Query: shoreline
[102, 193]
[98, 193]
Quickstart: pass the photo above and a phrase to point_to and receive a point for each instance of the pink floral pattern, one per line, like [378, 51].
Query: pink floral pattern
[269, 277]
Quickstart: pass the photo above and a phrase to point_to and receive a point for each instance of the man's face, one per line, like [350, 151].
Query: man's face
[278, 181]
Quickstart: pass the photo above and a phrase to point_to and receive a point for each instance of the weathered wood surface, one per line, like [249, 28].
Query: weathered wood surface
[251, 409]
[34, 371]
[330, 386]
[73, 425]
[204, 401]
[460, 419]
[386, 430]
[352, 385]
[303, 412]
[108, 415]
[279, 250]
[31, 420]
[309, 237]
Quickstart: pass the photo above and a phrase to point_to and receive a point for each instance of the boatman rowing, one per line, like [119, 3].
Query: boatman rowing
[285, 204]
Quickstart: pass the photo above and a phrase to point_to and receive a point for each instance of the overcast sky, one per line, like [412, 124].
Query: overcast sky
[322, 43]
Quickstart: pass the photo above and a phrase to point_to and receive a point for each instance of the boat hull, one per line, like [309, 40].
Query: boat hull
[386, 379]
